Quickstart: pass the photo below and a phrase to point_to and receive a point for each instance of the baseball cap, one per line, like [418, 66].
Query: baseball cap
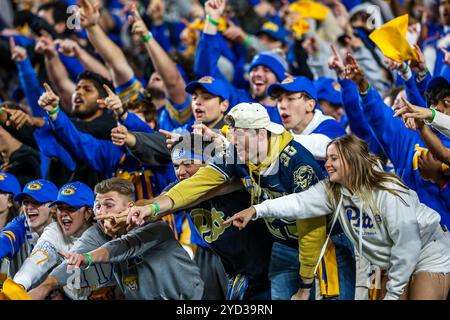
[9, 183]
[270, 60]
[275, 31]
[329, 90]
[294, 84]
[439, 81]
[249, 115]
[40, 190]
[75, 194]
[214, 86]
[191, 147]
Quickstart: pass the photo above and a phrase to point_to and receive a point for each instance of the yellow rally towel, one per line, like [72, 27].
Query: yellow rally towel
[300, 27]
[14, 291]
[391, 39]
[310, 9]
[328, 273]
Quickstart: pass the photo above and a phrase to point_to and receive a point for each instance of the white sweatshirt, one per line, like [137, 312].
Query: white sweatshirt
[391, 238]
[316, 143]
[45, 256]
[441, 122]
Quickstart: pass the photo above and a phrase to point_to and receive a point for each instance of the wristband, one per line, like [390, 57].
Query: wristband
[363, 93]
[88, 256]
[148, 37]
[433, 114]
[123, 113]
[406, 69]
[54, 111]
[1, 111]
[303, 285]
[212, 21]
[247, 40]
[154, 206]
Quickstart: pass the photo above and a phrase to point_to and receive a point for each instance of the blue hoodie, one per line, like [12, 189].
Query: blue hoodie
[403, 147]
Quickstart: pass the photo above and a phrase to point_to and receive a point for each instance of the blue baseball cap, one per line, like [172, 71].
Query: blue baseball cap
[329, 90]
[270, 60]
[294, 84]
[40, 190]
[216, 87]
[439, 81]
[274, 30]
[9, 183]
[75, 194]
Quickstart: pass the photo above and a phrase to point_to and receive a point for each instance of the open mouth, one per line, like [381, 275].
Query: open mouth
[285, 117]
[199, 113]
[259, 84]
[66, 223]
[77, 102]
[32, 217]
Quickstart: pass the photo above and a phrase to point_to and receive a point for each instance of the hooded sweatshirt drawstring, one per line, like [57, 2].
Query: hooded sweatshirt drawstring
[335, 217]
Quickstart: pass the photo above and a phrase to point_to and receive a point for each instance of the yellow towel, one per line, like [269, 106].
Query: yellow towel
[391, 39]
[310, 9]
[328, 273]
[14, 291]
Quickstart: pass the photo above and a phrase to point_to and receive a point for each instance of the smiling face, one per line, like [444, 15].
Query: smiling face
[38, 214]
[72, 221]
[207, 107]
[296, 110]
[84, 99]
[334, 165]
[110, 202]
[261, 78]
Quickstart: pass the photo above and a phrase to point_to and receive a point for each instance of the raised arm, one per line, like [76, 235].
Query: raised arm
[108, 50]
[57, 73]
[163, 64]
[71, 48]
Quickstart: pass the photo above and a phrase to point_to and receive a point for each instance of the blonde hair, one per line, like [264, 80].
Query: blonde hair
[362, 172]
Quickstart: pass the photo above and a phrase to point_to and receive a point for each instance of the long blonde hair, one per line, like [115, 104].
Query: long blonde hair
[362, 171]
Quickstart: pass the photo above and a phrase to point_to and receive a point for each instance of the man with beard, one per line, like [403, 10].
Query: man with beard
[265, 68]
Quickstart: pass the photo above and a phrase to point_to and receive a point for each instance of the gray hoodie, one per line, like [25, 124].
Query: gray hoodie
[149, 264]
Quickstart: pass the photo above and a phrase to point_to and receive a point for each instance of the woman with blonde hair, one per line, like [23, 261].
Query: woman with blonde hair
[399, 234]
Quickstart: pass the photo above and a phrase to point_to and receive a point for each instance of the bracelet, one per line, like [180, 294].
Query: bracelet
[123, 113]
[212, 21]
[54, 111]
[247, 40]
[303, 285]
[90, 262]
[148, 37]
[363, 93]
[406, 69]
[154, 206]
[433, 114]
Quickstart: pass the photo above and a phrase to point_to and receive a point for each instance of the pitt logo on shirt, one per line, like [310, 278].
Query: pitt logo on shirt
[354, 215]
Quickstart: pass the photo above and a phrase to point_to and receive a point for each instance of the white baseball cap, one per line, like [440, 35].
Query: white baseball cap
[250, 115]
